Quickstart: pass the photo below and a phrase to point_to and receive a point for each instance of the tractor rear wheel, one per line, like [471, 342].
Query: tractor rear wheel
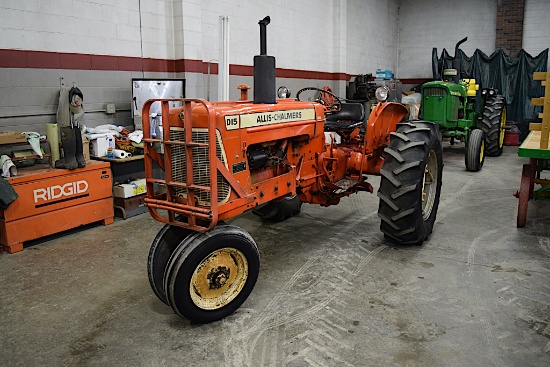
[211, 274]
[475, 150]
[410, 185]
[493, 123]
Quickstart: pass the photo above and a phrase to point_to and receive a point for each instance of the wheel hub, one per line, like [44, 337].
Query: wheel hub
[218, 277]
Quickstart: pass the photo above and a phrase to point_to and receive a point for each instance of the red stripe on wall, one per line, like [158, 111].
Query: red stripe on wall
[59, 60]
[43, 60]
[130, 64]
[69, 60]
[13, 59]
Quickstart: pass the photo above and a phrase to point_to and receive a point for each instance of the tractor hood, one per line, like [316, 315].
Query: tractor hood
[441, 101]
[435, 89]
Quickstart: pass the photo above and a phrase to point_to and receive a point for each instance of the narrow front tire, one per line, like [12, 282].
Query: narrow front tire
[211, 274]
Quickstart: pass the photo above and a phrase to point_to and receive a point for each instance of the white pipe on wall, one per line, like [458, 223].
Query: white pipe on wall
[223, 66]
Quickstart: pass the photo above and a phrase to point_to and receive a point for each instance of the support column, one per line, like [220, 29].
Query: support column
[340, 44]
[509, 26]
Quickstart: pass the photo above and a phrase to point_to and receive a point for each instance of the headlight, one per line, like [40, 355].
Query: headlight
[283, 92]
[381, 93]
[491, 92]
[484, 91]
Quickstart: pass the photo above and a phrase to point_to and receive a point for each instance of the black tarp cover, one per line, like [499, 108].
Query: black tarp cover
[512, 77]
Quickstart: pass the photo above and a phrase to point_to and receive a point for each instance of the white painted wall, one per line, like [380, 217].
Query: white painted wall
[536, 26]
[372, 36]
[334, 36]
[426, 24]
[308, 35]
[104, 27]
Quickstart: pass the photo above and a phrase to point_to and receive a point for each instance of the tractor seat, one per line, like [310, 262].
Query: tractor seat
[349, 117]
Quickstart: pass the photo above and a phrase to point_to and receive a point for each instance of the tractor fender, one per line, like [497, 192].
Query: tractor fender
[382, 121]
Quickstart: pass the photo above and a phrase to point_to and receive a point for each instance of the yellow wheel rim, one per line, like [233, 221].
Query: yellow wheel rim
[429, 185]
[218, 279]
[502, 125]
[481, 151]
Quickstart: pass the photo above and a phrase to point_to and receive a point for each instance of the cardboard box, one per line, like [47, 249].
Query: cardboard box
[86, 148]
[98, 147]
[130, 189]
[12, 138]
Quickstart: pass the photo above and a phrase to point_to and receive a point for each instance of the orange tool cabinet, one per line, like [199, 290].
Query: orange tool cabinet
[54, 200]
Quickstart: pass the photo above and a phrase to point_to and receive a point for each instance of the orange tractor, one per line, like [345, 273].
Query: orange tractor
[270, 155]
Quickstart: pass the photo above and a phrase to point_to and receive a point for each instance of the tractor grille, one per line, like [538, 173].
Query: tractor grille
[201, 165]
[434, 92]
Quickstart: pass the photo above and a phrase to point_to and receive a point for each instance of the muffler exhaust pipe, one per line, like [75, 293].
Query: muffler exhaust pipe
[264, 69]
[456, 60]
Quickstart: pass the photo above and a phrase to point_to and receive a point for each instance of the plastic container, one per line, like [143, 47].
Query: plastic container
[511, 138]
[110, 147]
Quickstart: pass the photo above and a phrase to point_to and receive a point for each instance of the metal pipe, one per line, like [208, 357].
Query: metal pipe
[263, 36]
[208, 80]
[456, 61]
[223, 65]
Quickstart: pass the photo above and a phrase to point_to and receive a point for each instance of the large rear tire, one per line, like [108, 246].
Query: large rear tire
[410, 185]
[211, 274]
[493, 123]
[475, 150]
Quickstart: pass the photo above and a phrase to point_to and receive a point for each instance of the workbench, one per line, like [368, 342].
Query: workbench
[53, 200]
[125, 169]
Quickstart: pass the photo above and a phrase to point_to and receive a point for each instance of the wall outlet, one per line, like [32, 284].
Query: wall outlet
[110, 108]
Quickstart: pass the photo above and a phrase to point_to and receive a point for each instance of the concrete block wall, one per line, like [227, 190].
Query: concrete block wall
[372, 36]
[426, 24]
[76, 40]
[100, 46]
[536, 28]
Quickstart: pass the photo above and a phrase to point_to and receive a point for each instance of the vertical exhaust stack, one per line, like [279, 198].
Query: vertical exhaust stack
[264, 69]
[456, 61]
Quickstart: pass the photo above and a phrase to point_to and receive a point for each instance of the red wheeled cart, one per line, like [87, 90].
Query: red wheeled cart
[535, 147]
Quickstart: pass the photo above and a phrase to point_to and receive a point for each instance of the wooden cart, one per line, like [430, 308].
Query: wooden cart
[535, 147]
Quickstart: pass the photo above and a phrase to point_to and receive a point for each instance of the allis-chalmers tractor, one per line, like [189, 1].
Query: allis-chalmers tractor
[269, 155]
[451, 104]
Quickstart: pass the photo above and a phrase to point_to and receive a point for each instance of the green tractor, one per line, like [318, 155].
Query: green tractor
[451, 104]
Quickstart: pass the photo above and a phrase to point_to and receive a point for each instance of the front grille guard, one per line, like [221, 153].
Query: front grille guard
[191, 214]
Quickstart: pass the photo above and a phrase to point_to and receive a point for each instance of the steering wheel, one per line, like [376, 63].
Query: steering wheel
[328, 99]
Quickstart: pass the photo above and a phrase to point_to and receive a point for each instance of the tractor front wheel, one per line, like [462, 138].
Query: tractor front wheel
[493, 123]
[164, 244]
[211, 274]
[475, 150]
[410, 185]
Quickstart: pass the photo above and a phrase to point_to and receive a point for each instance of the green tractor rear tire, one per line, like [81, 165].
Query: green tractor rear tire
[492, 124]
[475, 150]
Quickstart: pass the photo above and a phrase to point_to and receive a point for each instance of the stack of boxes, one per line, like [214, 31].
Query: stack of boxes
[129, 198]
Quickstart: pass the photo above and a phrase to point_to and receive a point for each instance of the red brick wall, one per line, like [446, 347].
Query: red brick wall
[509, 28]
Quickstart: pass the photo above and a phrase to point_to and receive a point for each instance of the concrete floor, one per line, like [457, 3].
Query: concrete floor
[331, 291]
